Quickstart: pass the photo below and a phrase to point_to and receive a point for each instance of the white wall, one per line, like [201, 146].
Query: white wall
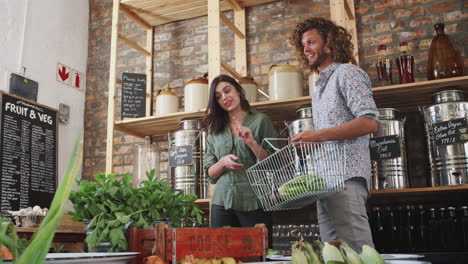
[36, 35]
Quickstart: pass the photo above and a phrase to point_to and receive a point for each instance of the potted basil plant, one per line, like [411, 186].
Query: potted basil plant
[112, 205]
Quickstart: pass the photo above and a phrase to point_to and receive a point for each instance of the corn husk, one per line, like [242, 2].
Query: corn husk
[370, 256]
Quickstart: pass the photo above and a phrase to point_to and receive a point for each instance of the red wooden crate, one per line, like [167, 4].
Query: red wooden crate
[238, 242]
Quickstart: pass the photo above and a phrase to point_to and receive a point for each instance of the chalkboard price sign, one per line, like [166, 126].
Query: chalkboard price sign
[28, 148]
[180, 156]
[450, 132]
[133, 95]
[387, 147]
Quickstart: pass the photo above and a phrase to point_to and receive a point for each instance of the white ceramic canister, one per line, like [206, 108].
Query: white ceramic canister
[166, 102]
[285, 81]
[250, 88]
[313, 77]
[196, 94]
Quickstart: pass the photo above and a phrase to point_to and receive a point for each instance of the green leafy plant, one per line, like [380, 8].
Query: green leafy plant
[112, 205]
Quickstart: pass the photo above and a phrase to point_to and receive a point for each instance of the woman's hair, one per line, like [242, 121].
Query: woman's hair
[338, 45]
[216, 117]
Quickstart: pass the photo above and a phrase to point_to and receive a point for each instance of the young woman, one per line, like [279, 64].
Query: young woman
[235, 134]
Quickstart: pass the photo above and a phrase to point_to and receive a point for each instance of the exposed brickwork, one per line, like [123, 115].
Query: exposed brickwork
[180, 53]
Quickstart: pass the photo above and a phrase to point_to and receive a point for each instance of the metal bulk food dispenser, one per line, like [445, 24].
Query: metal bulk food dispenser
[185, 159]
[447, 135]
[388, 152]
[305, 121]
[145, 158]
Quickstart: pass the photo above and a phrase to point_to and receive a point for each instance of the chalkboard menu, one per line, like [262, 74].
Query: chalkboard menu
[181, 155]
[387, 147]
[450, 132]
[28, 145]
[133, 95]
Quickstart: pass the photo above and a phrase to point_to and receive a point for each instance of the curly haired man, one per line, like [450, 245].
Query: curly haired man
[343, 110]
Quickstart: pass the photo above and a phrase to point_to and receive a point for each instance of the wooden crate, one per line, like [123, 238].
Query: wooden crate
[244, 243]
[141, 240]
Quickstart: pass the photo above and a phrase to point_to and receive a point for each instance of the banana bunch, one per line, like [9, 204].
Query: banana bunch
[335, 252]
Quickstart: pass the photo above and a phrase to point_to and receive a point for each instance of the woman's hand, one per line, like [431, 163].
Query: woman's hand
[246, 135]
[229, 163]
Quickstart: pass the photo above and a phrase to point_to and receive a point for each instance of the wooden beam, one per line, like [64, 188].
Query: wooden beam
[231, 25]
[235, 4]
[340, 16]
[149, 72]
[214, 40]
[240, 43]
[111, 98]
[348, 9]
[231, 70]
[125, 9]
[134, 45]
[118, 81]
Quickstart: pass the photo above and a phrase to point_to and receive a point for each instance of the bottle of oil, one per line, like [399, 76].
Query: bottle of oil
[444, 60]
[384, 67]
[405, 64]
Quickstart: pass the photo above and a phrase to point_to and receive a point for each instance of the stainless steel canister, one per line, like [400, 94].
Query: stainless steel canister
[187, 177]
[388, 152]
[305, 121]
[446, 131]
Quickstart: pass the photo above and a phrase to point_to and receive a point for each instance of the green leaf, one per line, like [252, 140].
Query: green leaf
[100, 178]
[93, 238]
[127, 179]
[116, 235]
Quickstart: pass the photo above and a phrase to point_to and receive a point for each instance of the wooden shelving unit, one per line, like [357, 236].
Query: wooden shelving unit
[404, 97]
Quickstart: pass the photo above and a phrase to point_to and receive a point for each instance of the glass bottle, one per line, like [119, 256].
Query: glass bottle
[453, 237]
[379, 231]
[444, 60]
[409, 228]
[384, 67]
[433, 231]
[402, 235]
[391, 235]
[421, 230]
[463, 223]
[405, 64]
[443, 229]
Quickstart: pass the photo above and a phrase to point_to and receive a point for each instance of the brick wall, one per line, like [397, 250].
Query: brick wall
[180, 53]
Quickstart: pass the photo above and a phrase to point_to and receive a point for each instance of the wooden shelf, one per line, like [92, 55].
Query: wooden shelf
[420, 195]
[408, 97]
[158, 12]
[204, 204]
[424, 190]
[404, 97]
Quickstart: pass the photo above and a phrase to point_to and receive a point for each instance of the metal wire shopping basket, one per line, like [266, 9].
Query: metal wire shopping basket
[298, 174]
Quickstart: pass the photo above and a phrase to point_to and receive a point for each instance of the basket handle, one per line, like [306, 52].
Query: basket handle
[268, 141]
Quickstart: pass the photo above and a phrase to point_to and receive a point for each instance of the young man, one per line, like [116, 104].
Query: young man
[343, 110]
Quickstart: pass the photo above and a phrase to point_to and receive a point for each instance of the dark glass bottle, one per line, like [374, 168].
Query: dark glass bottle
[405, 64]
[443, 229]
[402, 235]
[453, 236]
[409, 228]
[378, 229]
[433, 231]
[463, 223]
[391, 235]
[444, 60]
[421, 230]
[384, 67]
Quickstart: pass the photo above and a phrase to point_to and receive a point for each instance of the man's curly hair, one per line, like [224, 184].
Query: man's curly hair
[338, 45]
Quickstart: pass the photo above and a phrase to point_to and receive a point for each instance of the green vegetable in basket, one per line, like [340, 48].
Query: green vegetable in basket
[300, 185]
